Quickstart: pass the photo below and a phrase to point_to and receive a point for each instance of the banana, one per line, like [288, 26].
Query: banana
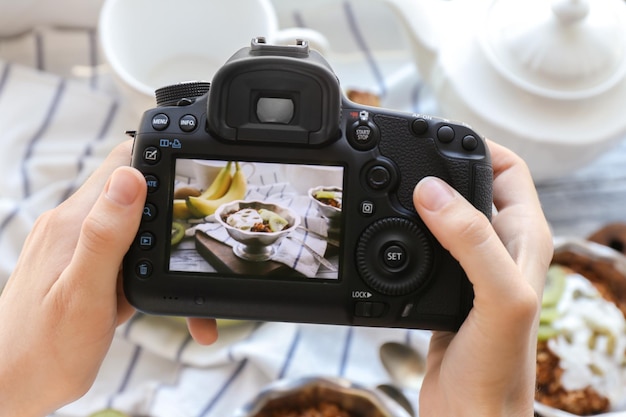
[220, 184]
[236, 191]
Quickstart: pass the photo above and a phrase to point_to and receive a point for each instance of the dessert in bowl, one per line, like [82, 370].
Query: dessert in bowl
[328, 200]
[256, 226]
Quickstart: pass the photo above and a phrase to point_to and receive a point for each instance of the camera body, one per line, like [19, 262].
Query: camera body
[273, 197]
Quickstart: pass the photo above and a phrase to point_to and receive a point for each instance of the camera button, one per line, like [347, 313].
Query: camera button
[151, 155]
[419, 126]
[378, 177]
[143, 269]
[152, 182]
[367, 208]
[188, 123]
[445, 134]
[146, 240]
[160, 121]
[395, 256]
[149, 212]
[364, 134]
[470, 143]
[369, 309]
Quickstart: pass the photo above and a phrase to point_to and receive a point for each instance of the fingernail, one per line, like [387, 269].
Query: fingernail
[122, 187]
[433, 193]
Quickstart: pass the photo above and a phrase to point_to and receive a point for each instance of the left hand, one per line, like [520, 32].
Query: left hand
[61, 305]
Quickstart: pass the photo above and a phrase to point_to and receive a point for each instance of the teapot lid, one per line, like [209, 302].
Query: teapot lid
[568, 49]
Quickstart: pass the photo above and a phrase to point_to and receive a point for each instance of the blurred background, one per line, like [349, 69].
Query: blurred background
[62, 110]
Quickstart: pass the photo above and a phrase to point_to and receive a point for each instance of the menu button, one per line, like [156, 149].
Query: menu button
[160, 121]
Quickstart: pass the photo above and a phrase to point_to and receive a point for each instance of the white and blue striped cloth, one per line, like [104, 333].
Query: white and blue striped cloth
[60, 115]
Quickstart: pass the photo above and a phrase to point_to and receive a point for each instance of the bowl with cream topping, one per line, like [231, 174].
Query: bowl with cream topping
[581, 350]
[257, 226]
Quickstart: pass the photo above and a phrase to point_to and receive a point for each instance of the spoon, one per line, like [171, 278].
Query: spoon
[398, 396]
[404, 364]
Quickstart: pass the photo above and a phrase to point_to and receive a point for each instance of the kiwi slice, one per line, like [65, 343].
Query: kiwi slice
[108, 413]
[178, 232]
[548, 315]
[324, 194]
[275, 222]
[555, 285]
[546, 332]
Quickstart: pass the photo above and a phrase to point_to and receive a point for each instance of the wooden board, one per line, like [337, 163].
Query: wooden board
[222, 258]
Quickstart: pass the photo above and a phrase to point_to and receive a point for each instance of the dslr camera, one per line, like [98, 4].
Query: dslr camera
[273, 197]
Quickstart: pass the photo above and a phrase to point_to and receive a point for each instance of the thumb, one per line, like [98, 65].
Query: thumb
[107, 232]
[466, 233]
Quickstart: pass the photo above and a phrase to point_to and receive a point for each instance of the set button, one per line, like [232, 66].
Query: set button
[395, 256]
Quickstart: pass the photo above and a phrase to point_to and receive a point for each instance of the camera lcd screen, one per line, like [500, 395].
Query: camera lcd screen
[256, 219]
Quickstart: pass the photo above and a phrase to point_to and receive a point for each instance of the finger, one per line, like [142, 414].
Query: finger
[106, 234]
[203, 331]
[90, 191]
[124, 310]
[467, 234]
[520, 221]
[67, 218]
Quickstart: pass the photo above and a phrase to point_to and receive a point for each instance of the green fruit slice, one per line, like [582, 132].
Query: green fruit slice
[548, 315]
[546, 332]
[108, 413]
[277, 223]
[555, 285]
[178, 233]
[322, 194]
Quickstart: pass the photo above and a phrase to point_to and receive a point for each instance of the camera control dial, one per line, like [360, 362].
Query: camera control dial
[181, 94]
[394, 256]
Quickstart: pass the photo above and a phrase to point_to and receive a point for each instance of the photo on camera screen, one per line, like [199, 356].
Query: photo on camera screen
[256, 219]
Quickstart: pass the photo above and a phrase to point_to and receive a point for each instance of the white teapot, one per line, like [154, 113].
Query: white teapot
[544, 78]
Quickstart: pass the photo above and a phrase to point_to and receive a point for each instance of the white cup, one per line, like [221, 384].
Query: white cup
[153, 43]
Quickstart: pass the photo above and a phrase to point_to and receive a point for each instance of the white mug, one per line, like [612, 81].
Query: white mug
[153, 43]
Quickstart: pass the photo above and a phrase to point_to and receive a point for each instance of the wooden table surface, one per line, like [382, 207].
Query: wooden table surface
[586, 200]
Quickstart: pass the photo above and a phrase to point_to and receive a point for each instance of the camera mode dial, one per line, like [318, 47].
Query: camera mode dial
[394, 256]
[181, 94]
